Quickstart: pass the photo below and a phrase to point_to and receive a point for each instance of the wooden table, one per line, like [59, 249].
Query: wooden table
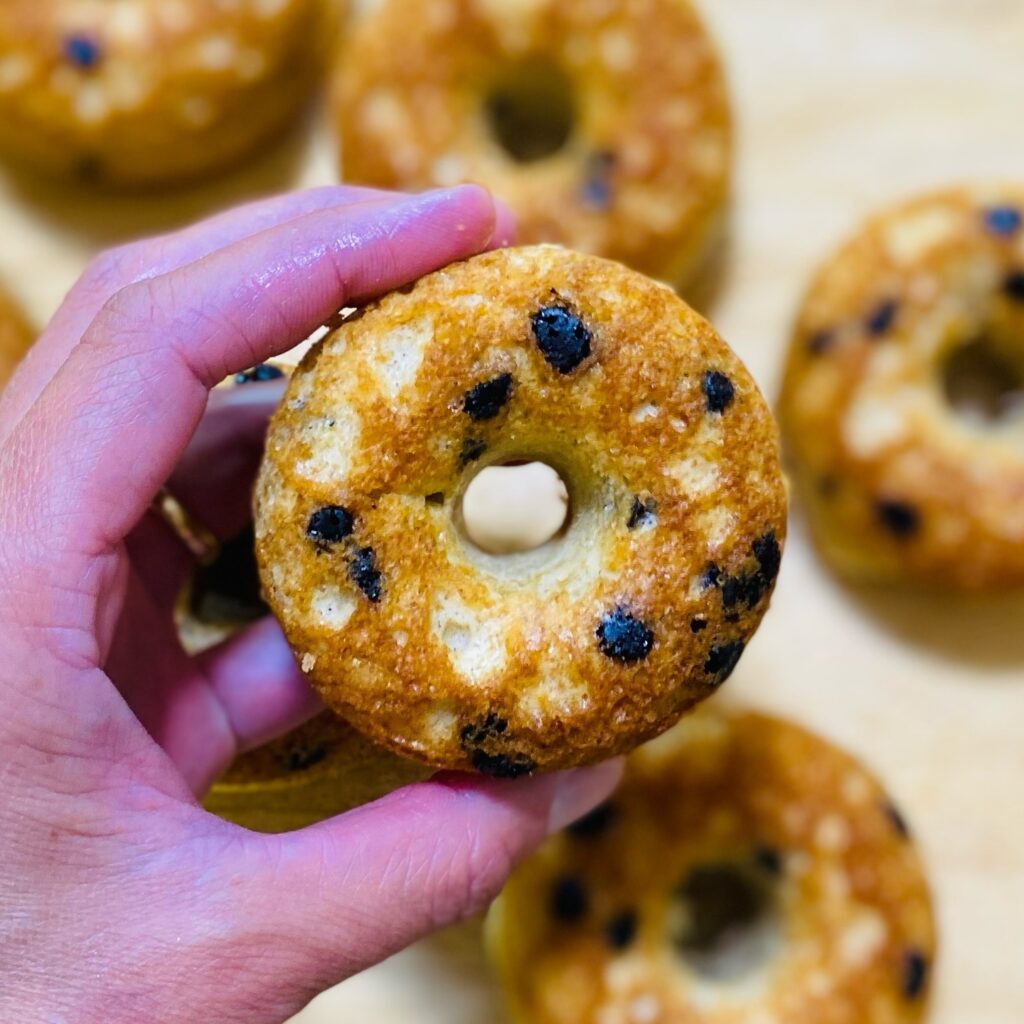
[842, 105]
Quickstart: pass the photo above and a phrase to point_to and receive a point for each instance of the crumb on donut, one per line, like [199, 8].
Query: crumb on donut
[486, 400]
[623, 637]
[718, 391]
[562, 337]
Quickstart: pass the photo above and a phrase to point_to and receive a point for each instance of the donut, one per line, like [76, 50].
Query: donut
[143, 92]
[745, 870]
[321, 769]
[903, 400]
[580, 649]
[15, 336]
[605, 126]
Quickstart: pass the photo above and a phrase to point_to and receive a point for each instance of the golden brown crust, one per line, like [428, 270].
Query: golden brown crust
[321, 769]
[852, 937]
[644, 177]
[553, 658]
[897, 484]
[16, 336]
[151, 91]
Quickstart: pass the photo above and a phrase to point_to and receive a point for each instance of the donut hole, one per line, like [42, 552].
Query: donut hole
[531, 110]
[726, 921]
[981, 381]
[515, 506]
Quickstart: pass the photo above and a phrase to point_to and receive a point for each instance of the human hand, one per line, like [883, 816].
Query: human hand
[120, 897]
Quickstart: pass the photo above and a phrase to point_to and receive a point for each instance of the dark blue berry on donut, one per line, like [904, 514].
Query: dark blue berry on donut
[718, 391]
[698, 624]
[597, 182]
[642, 513]
[881, 318]
[722, 660]
[486, 400]
[768, 859]
[472, 449]
[594, 824]
[768, 555]
[330, 525]
[301, 758]
[487, 728]
[82, 51]
[623, 637]
[897, 517]
[820, 342]
[1013, 285]
[710, 577]
[562, 337]
[259, 373]
[569, 902]
[364, 573]
[893, 813]
[915, 974]
[620, 930]
[1003, 220]
[501, 766]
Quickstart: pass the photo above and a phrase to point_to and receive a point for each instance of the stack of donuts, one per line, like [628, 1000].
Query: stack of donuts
[746, 870]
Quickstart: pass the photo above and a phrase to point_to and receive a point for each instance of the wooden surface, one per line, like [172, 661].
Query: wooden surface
[842, 105]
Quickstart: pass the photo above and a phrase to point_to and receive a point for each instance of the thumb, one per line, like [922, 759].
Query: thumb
[349, 892]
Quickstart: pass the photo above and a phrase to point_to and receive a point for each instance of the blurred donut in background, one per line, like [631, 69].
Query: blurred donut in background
[604, 125]
[15, 336]
[745, 870]
[144, 92]
[903, 401]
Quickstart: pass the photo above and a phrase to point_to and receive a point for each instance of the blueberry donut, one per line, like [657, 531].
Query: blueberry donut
[15, 336]
[605, 126]
[638, 608]
[745, 871]
[138, 92]
[321, 769]
[903, 401]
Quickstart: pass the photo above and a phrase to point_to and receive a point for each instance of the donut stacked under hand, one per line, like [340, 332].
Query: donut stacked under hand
[545, 659]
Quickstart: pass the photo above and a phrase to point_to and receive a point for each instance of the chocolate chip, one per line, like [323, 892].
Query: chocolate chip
[228, 589]
[899, 518]
[769, 555]
[892, 812]
[1013, 285]
[502, 766]
[330, 524]
[562, 337]
[768, 859]
[472, 449]
[710, 577]
[82, 51]
[722, 660]
[363, 572]
[569, 901]
[698, 625]
[595, 823]
[486, 400]
[642, 513]
[915, 974]
[620, 930]
[820, 342]
[881, 318]
[597, 185]
[718, 391]
[1002, 220]
[624, 638]
[260, 372]
[302, 758]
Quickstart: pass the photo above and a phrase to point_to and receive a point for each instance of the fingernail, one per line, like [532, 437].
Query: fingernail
[580, 791]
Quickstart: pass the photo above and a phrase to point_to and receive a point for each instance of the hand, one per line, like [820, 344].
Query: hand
[121, 899]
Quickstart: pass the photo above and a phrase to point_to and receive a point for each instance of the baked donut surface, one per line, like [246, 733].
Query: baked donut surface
[745, 870]
[583, 648]
[903, 400]
[605, 126]
[16, 336]
[139, 92]
[321, 769]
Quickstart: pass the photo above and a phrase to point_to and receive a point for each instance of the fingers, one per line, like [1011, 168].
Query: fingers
[351, 891]
[108, 430]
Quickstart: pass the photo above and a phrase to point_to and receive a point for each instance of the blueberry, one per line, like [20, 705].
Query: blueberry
[595, 823]
[1002, 220]
[363, 572]
[260, 372]
[472, 449]
[881, 318]
[486, 400]
[892, 812]
[768, 859]
[718, 391]
[642, 513]
[502, 766]
[722, 660]
[698, 624]
[330, 524]
[769, 555]
[915, 974]
[597, 185]
[1013, 286]
[302, 758]
[562, 337]
[478, 732]
[569, 901]
[624, 638]
[746, 589]
[820, 342]
[710, 577]
[620, 930]
[899, 518]
[82, 51]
